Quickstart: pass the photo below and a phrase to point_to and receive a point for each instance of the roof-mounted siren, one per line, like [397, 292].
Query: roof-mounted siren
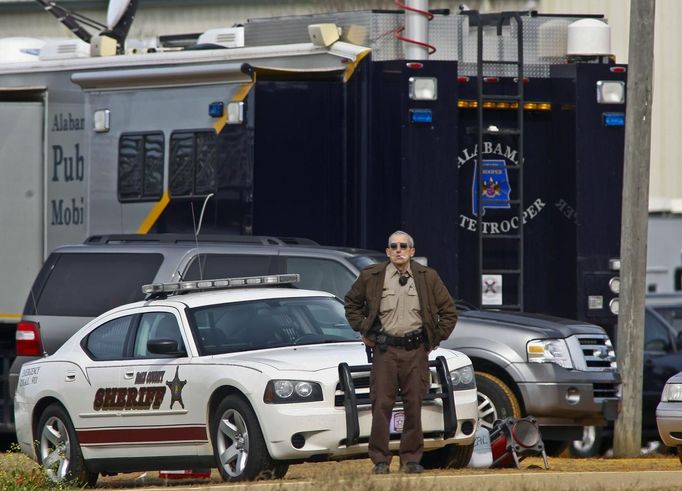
[588, 40]
[111, 41]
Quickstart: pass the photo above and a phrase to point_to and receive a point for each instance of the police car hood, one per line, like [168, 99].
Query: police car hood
[535, 325]
[317, 357]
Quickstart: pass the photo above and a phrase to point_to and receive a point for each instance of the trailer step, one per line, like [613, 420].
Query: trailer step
[502, 131]
[501, 271]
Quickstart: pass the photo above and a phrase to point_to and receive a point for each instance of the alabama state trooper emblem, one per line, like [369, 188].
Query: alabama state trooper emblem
[493, 190]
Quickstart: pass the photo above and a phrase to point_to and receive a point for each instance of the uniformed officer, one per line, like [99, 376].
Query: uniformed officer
[403, 311]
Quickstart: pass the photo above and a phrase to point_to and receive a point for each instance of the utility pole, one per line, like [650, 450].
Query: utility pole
[630, 335]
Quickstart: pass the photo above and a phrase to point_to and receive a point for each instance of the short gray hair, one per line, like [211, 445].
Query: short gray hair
[410, 240]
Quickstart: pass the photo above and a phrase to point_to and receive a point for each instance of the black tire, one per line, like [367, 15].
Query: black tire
[238, 444]
[593, 443]
[448, 457]
[554, 448]
[495, 400]
[58, 449]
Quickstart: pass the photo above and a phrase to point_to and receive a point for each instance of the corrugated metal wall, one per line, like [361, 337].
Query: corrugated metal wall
[172, 17]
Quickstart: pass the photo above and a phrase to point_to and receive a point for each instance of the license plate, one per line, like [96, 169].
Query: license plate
[397, 421]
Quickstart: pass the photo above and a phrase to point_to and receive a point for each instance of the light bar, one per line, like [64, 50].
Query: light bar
[220, 284]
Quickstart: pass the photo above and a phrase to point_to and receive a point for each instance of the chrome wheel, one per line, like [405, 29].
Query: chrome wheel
[487, 413]
[588, 440]
[233, 443]
[55, 449]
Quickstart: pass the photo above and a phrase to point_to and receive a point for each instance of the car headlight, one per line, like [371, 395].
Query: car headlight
[290, 391]
[672, 393]
[549, 351]
[463, 378]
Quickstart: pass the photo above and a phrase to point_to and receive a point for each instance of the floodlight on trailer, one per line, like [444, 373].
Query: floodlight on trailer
[220, 284]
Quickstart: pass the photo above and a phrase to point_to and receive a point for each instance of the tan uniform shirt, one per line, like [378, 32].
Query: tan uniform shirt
[399, 311]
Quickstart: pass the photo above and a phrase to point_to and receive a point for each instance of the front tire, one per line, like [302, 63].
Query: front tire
[495, 400]
[238, 444]
[448, 457]
[58, 449]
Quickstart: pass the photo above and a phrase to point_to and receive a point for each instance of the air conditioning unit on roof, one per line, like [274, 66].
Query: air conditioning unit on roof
[229, 37]
[63, 49]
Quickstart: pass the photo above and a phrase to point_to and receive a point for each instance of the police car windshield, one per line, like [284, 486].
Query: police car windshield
[270, 323]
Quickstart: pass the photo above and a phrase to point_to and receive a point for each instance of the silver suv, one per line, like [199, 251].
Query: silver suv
[79, 282]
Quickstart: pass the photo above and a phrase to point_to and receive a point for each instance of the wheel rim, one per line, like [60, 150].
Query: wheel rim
[55, 449]
[587, 442]
[233, 442]
[487, 412]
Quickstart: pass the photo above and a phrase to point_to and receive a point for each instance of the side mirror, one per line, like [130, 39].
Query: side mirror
[164, 346]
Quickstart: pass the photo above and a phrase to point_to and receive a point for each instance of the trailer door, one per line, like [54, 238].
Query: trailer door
[21, 188]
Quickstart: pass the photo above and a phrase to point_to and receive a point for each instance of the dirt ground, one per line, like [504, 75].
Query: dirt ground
[359, 468]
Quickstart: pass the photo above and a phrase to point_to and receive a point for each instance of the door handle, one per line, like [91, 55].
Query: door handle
[129, 375]
[70, 376]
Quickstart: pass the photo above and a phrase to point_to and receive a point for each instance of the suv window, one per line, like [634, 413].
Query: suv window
[107, 342]
[211, 266]
[321, 274]
[656, 334]
[86, 285]
[672, 315]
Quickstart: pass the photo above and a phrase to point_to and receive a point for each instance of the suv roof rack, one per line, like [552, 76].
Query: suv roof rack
[189, 238]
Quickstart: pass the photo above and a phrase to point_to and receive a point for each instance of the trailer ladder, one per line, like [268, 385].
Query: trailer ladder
[492, 240]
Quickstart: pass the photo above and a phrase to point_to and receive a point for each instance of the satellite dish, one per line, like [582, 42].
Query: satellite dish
[115, 11]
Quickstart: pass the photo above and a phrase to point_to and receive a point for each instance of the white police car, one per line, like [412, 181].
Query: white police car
[244, 379]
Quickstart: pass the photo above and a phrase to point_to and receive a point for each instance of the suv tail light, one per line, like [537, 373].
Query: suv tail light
[28, 339]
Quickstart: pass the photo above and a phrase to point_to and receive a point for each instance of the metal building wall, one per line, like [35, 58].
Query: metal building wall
[665, 190]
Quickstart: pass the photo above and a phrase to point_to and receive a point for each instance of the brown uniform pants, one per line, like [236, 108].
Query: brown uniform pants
[393, 369]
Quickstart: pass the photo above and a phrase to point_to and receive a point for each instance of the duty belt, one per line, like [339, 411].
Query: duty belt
[411, 340]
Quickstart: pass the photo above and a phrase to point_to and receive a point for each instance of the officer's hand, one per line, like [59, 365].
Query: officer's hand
[369, 342]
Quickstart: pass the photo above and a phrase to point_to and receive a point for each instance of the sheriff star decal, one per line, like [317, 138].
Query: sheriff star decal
[175, 387]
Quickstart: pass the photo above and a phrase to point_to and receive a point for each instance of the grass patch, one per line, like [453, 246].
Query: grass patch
[19, 473]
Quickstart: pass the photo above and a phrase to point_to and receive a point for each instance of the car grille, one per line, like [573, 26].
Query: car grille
[605, 391]
[597, 351]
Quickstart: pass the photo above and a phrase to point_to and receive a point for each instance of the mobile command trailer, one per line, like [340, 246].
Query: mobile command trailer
[344, 146]
[43, 184]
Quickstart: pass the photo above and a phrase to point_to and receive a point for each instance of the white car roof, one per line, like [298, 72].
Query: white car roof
[212, 297]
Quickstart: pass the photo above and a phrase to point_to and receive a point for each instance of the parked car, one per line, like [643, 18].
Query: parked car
[232, 373]
[662, 360]
[70, 290]
[669, 414]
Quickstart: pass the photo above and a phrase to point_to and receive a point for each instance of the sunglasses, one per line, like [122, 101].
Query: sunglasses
[395, 245]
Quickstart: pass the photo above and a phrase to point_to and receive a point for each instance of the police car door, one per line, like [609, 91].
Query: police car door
[91, 387]
[158, 378]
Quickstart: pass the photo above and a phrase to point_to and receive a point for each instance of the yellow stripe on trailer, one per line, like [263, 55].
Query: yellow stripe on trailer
[154, 215]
